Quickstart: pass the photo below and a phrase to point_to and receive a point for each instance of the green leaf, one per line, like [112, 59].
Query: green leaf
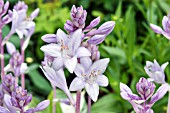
[39, 81]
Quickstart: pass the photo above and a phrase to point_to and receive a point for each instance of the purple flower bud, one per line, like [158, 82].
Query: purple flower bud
[49, 38]
[34, 14]
[42, 105]
[93, 24]
[20, 6]
[69, 26]
[8, 84]
[95, 53]
[78, 16]
[20, 98]
[105, 28]
[96, 39]
[15, 62]
[145, 88]
[31, 110]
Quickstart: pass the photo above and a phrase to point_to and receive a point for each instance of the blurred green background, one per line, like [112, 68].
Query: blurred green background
[129, 46]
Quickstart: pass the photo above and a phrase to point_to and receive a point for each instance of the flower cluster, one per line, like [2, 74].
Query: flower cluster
[78, 52]
[14, 98]
[145, 88]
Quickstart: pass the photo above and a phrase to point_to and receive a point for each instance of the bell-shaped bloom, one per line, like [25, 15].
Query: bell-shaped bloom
[166, 24]
[90, 76]
[66, 51]
[8, 84]
[144, 102]
[15, 63]
[20, 98]
[155, 71]
[57, 79]
[9, 108]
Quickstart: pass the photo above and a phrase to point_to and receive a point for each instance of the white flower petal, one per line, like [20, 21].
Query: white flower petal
[61, 37]
[100, 65]
[70, 64]
[163, 66]
[52, 50]
[23, 68]
[75, 40]
[82, 52]
[77, 84]
[79, 70]
[92, 90]
[102, 80]
[86, 62]
[20, 34]
[125, 88]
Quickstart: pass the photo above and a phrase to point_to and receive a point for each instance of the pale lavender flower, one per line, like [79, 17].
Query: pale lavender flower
[90, 76]
[9, 108]
[155, 71]
[66, 51]
[49, 38]
[15, 63]
[144, 102]
[166, 24]
[57, 78]
[20, 98]
[8, 84]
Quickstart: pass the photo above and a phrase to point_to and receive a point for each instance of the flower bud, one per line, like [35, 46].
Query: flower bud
[20, 98]
[20, 6]
[78, 16]
[145, 88]
[8, 84]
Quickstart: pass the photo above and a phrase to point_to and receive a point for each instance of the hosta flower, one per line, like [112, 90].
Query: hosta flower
[20, 98]
[57, 79]
[166, 25]
[15, 63]
[95, 36]
[66, 51]
[9, 108]
[9, 84]
[90, 76]
[144, 102]
[155, 71]
[20, 6]
[1, 95]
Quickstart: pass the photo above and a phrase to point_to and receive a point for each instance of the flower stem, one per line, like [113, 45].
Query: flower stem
[78, 99]
[2, 56]
[168, 110]
[89, 104]
[54, 97]
[23, 57]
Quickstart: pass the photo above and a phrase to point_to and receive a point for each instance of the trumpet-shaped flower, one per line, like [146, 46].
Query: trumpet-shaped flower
[144, 102]
[90, 76]
[57, 78]
[166, 24]
[66, 51]
[155, 71]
